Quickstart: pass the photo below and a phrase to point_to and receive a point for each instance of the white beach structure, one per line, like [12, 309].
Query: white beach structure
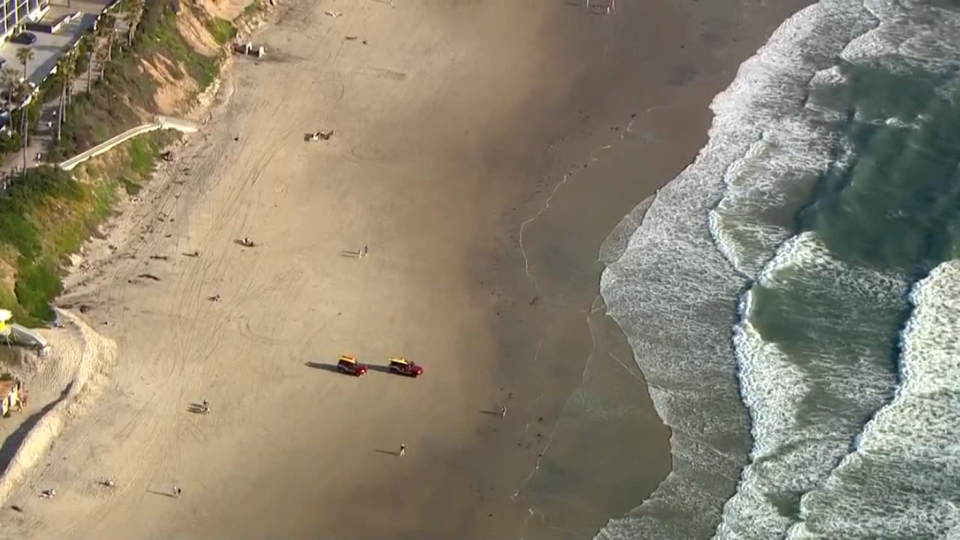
[601, 6]
[15, 334]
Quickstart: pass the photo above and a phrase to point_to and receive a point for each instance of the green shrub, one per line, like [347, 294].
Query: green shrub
[45, 217]
[37, 285]
[222, 30]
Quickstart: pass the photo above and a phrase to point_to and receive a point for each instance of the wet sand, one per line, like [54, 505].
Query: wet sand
[483, 151]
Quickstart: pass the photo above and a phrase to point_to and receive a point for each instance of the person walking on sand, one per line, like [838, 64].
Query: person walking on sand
[503, 411]
[177, 491]
[403, 449]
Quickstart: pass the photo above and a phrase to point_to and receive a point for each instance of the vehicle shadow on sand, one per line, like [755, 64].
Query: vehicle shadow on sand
[324, 367]
[333, 367]
[381, 369]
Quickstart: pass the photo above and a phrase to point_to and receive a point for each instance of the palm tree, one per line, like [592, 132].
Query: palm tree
[90, 59]
[65, 70]
[22, 90]
[11, 78]
[69, 74]
[25, 55]
[106, 55]
[135, 14]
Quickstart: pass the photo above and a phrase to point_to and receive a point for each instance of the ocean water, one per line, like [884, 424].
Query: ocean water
[793, 296]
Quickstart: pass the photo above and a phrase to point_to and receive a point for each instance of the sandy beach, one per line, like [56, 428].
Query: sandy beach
[482, 151]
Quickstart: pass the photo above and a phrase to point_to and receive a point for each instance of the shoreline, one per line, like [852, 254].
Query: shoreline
[471, 456]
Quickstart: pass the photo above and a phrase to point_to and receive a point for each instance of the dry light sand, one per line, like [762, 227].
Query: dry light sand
[457, 123]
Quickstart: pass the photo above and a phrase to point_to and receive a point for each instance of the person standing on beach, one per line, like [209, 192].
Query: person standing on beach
[403, 449]
[177, 491]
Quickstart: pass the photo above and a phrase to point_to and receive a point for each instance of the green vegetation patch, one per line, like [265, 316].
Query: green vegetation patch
[168, 42]
[49, 214]
[43, 218]
[222, 30]
[252, 9]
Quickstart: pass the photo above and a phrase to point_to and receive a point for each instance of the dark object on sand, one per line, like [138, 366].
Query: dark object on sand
[149, 276]
[246, 242]
[167, 156]
[85, 308]
[159, 257]
[319, 136]
[214, 298]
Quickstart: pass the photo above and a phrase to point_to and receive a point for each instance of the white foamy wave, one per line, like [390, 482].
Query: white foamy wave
[825, 85]
[901, 481]
[912, 37]
[796, 446]
[792, 147]
[673, 291]
[778, 173]
[792, 453]
[831, 76]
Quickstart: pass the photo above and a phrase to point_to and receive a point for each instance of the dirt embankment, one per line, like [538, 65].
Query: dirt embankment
[65, 385]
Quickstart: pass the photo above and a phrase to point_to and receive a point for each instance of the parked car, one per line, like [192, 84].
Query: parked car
[24, 38]
[349, 365]
[401, 366]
